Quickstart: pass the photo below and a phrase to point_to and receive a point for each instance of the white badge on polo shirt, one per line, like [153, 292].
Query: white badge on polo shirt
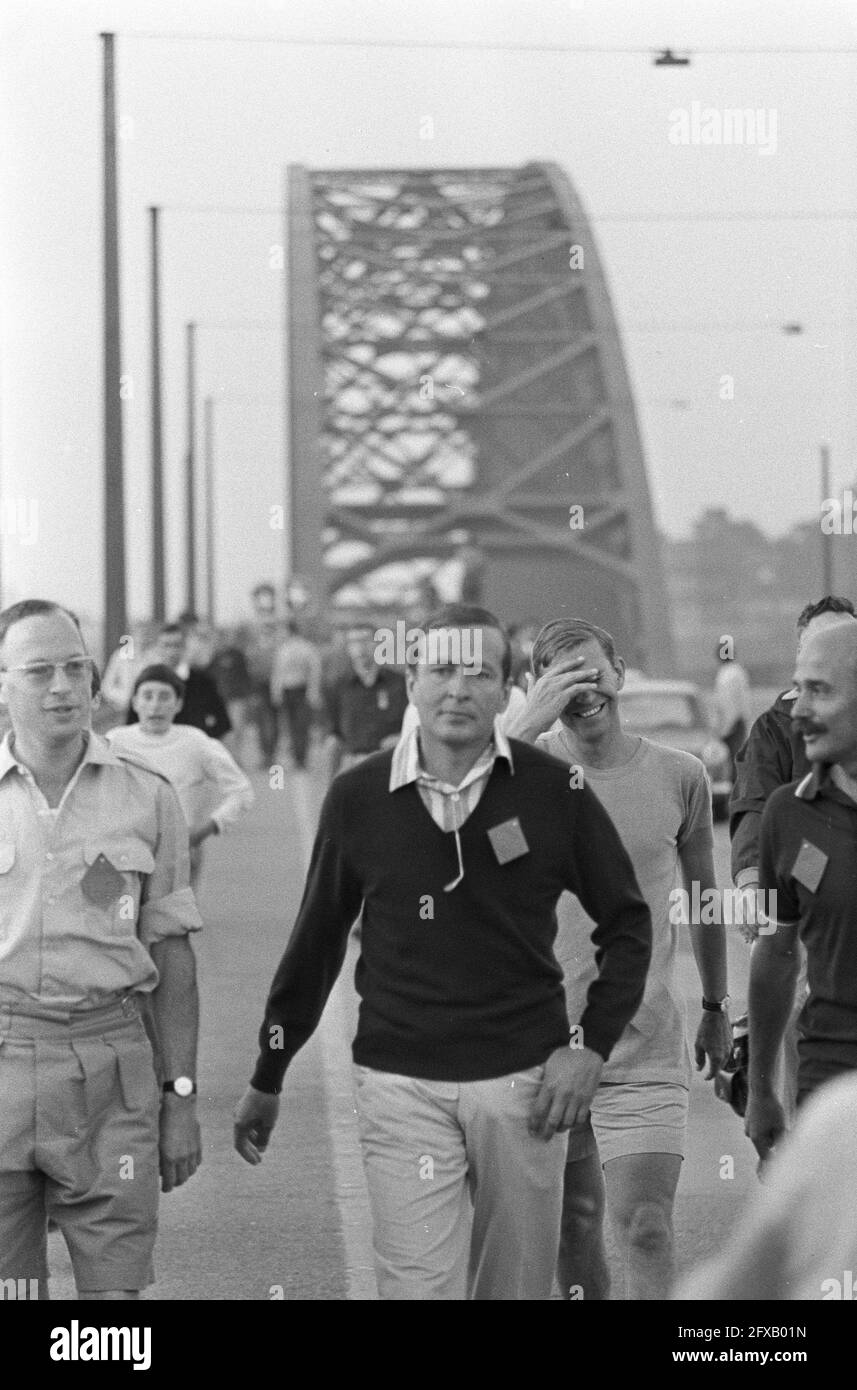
[809, 865]
[383, 699]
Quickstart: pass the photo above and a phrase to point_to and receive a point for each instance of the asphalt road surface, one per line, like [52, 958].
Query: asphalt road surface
[296, 1226]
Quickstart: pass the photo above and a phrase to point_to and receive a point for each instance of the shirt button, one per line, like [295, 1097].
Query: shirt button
[455, 796]
[50, 855]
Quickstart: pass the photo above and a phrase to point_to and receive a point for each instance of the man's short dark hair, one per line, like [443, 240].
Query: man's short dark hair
[164, 675]
[831, 603]
[562, 634]
[263, 588]
[33, 608]
[469, 615]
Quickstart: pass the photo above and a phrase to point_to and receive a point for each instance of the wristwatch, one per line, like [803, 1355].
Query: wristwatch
[716, 1006]
[182, 1086]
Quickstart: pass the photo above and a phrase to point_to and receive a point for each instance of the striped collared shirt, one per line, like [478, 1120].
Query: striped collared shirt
[448, 806]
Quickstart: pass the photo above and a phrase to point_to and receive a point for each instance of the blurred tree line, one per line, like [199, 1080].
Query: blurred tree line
[731, 578]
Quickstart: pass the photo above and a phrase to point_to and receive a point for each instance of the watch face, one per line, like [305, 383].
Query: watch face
[183, 1086]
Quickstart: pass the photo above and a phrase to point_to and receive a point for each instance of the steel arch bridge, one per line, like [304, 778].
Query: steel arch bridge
[457, 388]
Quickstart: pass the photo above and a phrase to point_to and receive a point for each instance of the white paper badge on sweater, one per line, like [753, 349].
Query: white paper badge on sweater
[508, 841]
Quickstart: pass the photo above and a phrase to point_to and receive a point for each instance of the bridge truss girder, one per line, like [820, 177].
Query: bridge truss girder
[457, 385]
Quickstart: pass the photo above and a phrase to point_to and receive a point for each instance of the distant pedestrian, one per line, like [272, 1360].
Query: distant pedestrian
[259, 640]
[211, 787]
[731, 698]
[202, 707]
[229, 670]
[296, 688]
[365, 706]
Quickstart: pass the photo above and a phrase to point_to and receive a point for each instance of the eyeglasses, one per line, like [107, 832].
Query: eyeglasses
[40, 673]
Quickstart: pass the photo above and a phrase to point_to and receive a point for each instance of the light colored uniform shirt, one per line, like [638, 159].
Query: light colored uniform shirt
[209, 782]
[658, 801]
[59, 948]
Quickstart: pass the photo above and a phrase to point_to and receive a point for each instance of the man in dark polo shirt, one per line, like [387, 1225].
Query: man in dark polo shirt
[457, 845]
[773, 756]
[807, 857]
[365, 706]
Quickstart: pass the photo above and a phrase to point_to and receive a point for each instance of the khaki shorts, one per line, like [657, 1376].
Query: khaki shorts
[79, 1106]
[632, 1118]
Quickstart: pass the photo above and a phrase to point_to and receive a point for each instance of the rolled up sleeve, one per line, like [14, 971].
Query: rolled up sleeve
[167, 904]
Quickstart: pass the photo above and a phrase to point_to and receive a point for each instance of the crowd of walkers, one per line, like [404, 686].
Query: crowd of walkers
[522, 1065]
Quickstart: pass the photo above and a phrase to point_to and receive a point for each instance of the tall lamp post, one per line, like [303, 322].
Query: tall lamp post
[190, 472]
[159, 600]
[208, 450]
[115, 622]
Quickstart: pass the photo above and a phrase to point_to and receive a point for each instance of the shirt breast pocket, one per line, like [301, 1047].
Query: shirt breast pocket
[111, 884]
[8, 885]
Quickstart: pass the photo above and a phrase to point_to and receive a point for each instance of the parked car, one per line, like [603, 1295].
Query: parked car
[675, 713]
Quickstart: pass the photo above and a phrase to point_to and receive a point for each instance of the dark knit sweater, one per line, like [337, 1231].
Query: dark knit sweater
[473, 991]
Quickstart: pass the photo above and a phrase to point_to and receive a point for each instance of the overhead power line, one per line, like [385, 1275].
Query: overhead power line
[496, 46]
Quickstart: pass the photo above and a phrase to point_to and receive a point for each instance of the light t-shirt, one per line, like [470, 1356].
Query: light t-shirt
[658, 801]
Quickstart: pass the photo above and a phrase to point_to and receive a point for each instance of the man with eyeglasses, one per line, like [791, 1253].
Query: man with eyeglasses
[457, 845]
[95, 911]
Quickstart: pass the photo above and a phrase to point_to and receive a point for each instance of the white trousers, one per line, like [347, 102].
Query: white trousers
[465, 1201]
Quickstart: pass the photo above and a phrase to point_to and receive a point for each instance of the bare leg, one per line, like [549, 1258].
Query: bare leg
[640, 1196]
[582, 1265]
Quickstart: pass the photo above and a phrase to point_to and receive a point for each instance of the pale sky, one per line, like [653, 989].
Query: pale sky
[708, 249]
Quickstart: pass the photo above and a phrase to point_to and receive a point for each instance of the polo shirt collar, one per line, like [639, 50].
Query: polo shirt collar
[818, 782]
[97, 750]
[406, 766]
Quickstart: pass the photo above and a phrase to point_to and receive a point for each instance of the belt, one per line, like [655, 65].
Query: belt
[35, 1021]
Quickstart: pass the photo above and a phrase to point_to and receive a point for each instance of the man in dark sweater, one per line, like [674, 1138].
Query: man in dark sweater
[457, 845]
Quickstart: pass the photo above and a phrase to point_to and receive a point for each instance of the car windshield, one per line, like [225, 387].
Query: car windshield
[648, 709]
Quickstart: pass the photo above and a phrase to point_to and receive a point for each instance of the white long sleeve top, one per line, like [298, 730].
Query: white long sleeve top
[208, 781]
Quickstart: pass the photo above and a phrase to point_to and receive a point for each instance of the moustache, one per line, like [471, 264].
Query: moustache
[803, 728]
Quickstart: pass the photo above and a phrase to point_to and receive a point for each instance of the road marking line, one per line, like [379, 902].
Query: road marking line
[352, 1198]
